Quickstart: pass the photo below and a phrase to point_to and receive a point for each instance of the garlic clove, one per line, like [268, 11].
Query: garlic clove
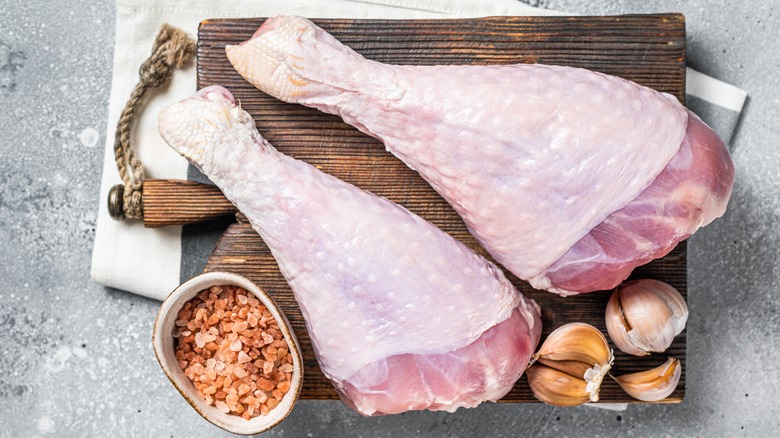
[618, 327]
[570, 366]
[650, 317]
[654, 384]
[578, 342]
[644, 316]
[557, 388]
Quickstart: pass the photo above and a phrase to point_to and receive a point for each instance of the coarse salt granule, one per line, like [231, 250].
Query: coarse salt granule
[232, 350]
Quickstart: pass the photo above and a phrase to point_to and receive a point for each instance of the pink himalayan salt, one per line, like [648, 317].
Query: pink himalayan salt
[236, 339]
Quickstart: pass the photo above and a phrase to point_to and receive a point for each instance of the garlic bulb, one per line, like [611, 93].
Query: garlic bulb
[644, 316]
[654, 384]
[570, 366]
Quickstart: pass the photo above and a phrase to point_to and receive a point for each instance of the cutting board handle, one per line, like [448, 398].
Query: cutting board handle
[179, 202]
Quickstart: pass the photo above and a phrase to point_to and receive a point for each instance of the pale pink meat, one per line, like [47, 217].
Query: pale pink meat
[689, 193]
[410, 381]
[559, 172]
[401, 315]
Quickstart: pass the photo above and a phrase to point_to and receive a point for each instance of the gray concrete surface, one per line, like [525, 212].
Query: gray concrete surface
[76, 359]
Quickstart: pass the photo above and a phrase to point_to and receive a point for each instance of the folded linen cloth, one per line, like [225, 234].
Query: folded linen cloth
[152, 262]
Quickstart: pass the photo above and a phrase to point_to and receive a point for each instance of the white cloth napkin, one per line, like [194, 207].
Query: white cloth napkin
[148, 262]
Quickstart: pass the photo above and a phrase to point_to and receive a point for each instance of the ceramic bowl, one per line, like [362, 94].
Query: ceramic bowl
[163, 341]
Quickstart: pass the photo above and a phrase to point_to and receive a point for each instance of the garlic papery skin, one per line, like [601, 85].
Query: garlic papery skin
[593, 378]
[644, 316]
[570, 365]
[654, 384]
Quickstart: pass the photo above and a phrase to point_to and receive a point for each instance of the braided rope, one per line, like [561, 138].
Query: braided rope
[172, 49]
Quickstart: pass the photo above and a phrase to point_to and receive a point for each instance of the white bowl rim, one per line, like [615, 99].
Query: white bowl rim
[166, 318]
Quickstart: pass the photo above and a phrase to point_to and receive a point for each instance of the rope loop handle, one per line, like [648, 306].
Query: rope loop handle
[172, 49]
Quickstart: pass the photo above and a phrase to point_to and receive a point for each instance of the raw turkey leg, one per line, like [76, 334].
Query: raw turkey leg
[568, 177]
[401, 315]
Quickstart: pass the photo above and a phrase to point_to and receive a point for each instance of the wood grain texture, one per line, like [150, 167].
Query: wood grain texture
[646, 49]
[176, 202]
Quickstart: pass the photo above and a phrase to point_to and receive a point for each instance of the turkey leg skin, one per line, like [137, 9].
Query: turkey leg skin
[532, 157]
[401, 315]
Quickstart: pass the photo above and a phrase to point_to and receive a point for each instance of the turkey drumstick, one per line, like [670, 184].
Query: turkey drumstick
[568, 177]
[401, 315]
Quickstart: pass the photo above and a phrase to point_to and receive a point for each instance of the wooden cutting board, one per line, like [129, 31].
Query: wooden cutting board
[648, 49]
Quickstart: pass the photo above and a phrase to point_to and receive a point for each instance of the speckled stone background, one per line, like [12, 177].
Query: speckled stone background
[76, 358]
